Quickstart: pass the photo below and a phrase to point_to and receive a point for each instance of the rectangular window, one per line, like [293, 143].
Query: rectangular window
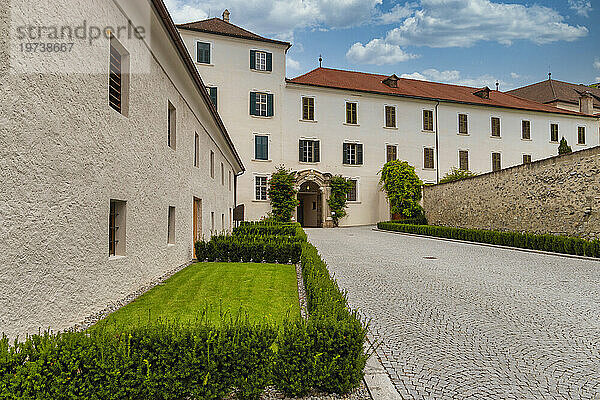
[353, 154]
[260, 185]
[212, 164]
[428, 158]
[463, 160]
[526, 158]
[171, 226]
[308, 151]
[353, 193]
[261, 147]
[212, 222]
[390, 116]
[203, 52]
[212, 92]
[118, 77]
[554, 133]
[351, 113]
[496, 162]
[391, 153]
[463, 124]
[308, 108]
[222, 175]
[495, 126]
[196, 150]
[428, 120]
[230, 181]
[116, 228]
[261, 104]
[222, 222]
[261, 60]
[581, 135]
[172, 126]
[526, 130]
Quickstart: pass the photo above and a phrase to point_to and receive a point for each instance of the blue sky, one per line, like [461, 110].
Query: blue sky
[469, 42]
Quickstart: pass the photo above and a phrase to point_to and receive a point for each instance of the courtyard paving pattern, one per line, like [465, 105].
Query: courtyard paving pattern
[464, 321]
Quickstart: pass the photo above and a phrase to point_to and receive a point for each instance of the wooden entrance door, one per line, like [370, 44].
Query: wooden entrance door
[197, 222]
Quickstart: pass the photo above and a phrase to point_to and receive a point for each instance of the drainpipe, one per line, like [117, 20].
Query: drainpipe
[437, 145]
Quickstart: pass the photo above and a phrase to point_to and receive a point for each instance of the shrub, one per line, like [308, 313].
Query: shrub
[403, 188]
[457, 174]
[563, 147]
[282, 194]
[340, 187]
[550, 243]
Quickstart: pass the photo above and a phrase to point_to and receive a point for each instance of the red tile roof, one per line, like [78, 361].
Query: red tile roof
[373, 83]
[551, 90]
[219, 27]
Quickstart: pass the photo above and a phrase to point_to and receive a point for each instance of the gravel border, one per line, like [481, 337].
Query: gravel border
[114, 306]
[301, 292]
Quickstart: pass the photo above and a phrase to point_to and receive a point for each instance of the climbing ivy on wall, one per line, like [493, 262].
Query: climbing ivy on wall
[340, 187]
[403, 188]
[282, 194]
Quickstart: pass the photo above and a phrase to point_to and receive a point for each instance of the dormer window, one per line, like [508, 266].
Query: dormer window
[483, 93]
[391, 81]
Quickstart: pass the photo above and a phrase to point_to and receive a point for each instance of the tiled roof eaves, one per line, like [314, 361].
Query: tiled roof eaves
[160, 7]
[259, 39]
[562, 112]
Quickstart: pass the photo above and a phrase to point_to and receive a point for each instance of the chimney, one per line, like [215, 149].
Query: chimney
[586, 103]
[226, 15]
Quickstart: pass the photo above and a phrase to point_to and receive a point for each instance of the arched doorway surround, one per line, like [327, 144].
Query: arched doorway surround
[313, 192]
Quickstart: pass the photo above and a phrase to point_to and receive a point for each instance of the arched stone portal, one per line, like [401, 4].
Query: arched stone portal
[313, 192]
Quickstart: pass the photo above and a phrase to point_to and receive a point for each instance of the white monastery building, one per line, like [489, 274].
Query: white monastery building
[110, 168]
[334, 122]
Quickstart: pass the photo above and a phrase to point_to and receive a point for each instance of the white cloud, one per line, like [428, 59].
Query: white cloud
[377, 52]
[455, 77]
[597, 63]
[398, 13]
[463, 23]
[293, 64]
[597, 79]
[280, 17]
[514, 75]
[581, 7]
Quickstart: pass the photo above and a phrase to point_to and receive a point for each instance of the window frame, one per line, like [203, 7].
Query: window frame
[260, 61]
[468, 159]
[349, 112]
[313, 159]
[467, 124]
[523, 121]
[425, 167]
[210, 51]
[171, 126]
[268, 139]
[550, 124]
[387, 147]
[499, 153]
[196, 150]
[123, 77]
[212, 164]
[393, 108]
[117, 228]
[579, 143]
[356, 200]
[255, 187]
[356, 153]
[171, 226]
[492, 118]
[302, 98]
[423, 127]
[527, 155]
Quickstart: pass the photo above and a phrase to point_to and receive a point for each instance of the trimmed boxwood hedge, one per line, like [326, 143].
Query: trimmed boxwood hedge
[271, 249]
[198, 360]
[421, 220]
[550, 243]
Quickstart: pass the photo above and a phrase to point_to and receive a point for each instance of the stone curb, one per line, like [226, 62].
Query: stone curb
[548, 253]
[378, 381]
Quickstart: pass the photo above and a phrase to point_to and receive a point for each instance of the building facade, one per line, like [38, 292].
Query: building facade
[333, 122]
[108, 175]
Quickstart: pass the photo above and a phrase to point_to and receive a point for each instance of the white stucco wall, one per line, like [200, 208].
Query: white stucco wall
[231, 73]
[64, 153]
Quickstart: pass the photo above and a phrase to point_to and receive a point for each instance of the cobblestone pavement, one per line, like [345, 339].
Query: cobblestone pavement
[476, 322]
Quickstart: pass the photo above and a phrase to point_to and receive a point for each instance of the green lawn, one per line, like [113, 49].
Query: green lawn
[258, 290]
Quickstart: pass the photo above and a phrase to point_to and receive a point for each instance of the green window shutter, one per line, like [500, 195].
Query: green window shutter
[213, 95]
[252, 59]
[345, 155]
[261, 147]
[203, 52]
[300, 153]
[359, 154]
[253, 103]
[269, 62]
[317, 155]
[269, 105]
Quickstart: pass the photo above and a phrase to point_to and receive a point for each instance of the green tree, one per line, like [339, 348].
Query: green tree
[340, 187]
[403, 188]
[456, 174]
[563, 147]
[282, 194]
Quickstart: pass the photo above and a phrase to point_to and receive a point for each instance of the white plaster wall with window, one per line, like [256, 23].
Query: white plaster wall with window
[56, 199]
[235, 79]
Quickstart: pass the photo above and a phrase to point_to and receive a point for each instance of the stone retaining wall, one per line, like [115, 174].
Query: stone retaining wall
[558, 195]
